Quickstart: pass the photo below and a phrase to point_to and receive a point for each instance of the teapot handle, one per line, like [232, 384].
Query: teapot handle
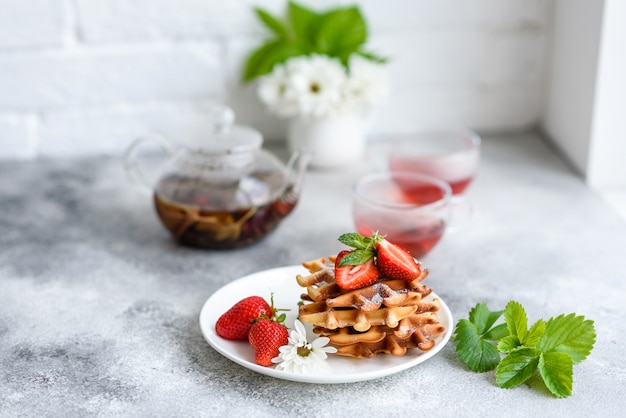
[131, 166]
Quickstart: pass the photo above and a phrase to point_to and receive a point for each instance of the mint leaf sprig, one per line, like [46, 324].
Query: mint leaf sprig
[551, 347]
[364, 248]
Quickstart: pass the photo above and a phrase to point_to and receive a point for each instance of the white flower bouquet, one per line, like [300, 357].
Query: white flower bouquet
[315, 65]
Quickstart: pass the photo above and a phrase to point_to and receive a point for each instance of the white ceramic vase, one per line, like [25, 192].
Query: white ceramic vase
[333, 141]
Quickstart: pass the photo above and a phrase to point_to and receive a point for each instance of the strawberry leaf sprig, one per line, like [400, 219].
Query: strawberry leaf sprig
[551, 347]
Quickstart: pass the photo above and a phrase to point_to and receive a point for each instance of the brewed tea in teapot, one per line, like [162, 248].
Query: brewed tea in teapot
[224, 193]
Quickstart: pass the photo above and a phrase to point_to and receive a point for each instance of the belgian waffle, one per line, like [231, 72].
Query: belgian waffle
[320, 285]
[392, 344]
[408, 326]
[319, 314]
[389, 316]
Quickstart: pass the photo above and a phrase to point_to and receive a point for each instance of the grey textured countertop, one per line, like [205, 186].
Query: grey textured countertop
[99, 308]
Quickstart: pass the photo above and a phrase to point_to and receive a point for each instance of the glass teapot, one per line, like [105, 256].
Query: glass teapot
[225, 193]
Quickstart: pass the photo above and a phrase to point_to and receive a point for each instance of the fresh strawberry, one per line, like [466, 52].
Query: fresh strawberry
[235, 323]
[340, 256]
[354, 275]
[394, 261]
[266, 337]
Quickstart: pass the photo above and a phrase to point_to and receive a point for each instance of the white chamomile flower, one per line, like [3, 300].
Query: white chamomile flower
[317, 83]
[300, 356]
[367, 83]
[275, 91]
[316, 86]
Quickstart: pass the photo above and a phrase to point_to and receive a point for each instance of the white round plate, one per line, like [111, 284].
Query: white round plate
[282, 283]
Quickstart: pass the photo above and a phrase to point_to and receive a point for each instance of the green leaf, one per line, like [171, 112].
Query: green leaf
[482, 317]
[355, 240]
[303, 22]
[516, 323]
[508, 344]
[496, 333]
[272, 22]
[536, 382]
[263, 60]
[535, 333]
[341, 32]
[478, 354]
[516, 367]
[373, 57]
[516, 320]
[551, 347]
[356, 257]
[569, 334]
[557, 372]
[473, 336]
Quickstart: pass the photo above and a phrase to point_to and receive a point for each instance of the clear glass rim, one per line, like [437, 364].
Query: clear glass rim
[389, 176]
[472, 139]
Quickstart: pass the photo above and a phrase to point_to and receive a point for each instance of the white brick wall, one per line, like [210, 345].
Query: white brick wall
[32, 23]
[80, 77]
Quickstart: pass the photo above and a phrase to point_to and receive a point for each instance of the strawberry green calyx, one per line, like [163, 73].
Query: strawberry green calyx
[376, 237]
[274, 313]
[280, 318]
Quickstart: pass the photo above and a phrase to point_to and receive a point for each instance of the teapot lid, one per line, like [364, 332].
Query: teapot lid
[226, 137]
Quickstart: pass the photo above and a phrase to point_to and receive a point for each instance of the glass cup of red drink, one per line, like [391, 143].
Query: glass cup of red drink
[411, 210]
[449, 154]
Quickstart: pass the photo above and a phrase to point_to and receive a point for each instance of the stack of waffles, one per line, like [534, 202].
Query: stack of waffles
[389, 316]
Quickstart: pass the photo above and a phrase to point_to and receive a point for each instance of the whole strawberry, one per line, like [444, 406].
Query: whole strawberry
[266, 337]
[235, 323]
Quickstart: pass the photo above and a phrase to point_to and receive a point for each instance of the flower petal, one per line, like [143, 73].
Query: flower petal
[299, 328]
[320, 342]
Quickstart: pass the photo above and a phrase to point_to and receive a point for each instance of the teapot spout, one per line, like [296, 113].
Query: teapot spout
[294, 178]
[296, 169]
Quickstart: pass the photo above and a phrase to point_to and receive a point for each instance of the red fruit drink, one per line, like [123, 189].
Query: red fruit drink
[418, 240]
[458, 174]
[410, 210]
[449, 155]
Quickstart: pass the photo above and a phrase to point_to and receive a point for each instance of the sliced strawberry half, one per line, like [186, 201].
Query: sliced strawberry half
[349, 277]
[395, 262]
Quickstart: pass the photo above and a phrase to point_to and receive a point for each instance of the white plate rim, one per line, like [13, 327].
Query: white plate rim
[344, 369]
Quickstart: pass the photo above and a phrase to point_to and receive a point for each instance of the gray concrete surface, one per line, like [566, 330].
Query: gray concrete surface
[99, 308]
